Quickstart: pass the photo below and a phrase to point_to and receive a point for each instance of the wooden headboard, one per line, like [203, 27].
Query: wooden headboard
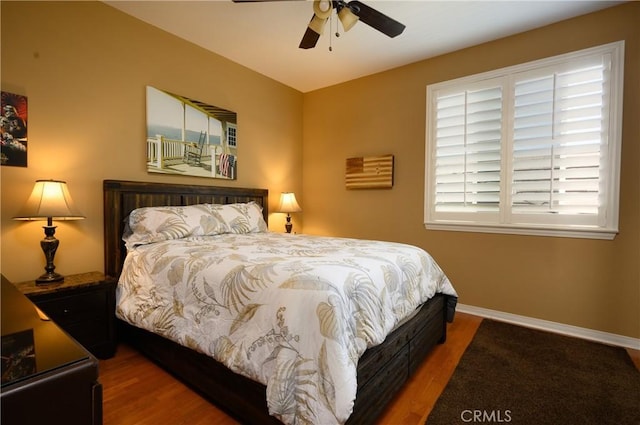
[122, 197]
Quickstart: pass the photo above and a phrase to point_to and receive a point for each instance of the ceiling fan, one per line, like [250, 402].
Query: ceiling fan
[349, 13]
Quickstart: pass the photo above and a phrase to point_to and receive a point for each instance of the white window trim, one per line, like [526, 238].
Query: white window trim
[480, 223]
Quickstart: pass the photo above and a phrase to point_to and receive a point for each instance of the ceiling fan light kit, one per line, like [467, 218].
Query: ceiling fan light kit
[322, 8]
[347, 18]
[317, 25]
[349, 13]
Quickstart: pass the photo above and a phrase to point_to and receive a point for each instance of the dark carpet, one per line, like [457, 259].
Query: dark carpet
[512, 374]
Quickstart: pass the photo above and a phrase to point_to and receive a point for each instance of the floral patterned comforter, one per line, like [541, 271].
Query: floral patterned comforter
[292, 312]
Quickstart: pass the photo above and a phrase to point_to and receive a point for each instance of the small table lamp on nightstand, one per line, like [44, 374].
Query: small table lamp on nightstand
[288, 204]
[49, 200]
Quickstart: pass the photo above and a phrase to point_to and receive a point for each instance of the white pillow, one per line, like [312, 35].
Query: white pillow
[154, 224]
[242, 218]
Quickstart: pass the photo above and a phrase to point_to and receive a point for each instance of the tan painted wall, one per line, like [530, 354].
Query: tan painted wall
[84, 67]
[588, 283]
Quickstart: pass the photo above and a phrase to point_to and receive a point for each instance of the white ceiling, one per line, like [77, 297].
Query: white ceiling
[264, 36]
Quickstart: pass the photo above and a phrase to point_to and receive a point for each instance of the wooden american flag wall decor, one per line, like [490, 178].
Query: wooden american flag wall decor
[370, 172]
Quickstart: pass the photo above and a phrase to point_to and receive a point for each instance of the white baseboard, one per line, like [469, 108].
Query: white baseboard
[545, 325]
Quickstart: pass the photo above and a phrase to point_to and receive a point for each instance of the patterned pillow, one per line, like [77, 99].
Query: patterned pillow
[154, 224]
[242, 218]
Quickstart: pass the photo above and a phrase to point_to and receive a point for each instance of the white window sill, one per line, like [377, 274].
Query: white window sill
[582, 233]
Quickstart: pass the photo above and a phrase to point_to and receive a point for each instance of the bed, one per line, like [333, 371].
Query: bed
[381, 370]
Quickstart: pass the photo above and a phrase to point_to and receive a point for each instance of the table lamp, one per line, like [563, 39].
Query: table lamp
[49, 200]
[288, 204]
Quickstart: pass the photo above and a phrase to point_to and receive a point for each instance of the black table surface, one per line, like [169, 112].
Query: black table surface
[32, 345]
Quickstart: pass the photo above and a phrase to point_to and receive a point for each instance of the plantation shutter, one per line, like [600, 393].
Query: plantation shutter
[559, 140]
[467, 151]
[529, 149]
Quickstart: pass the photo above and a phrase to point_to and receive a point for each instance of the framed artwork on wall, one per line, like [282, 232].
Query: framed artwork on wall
[369, 172]
[189, 137]
[13, 130]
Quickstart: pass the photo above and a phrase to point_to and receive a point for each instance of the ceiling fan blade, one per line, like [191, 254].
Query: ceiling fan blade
[313, 32]
[309, 39]
[375, 19]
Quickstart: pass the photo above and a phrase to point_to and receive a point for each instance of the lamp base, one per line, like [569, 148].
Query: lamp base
[49, 278]
[49, 246]
[288, 225]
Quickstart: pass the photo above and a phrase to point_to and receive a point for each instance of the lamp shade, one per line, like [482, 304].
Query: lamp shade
[322, 8]
[49, 199]
[347, 18]
[288, 203]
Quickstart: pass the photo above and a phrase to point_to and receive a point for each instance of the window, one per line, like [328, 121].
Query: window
[529, 149]
[232, 132]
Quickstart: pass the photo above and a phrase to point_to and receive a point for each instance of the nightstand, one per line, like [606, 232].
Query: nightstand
[83, 305]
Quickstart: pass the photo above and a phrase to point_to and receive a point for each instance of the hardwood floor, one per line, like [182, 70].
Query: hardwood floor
[419, 395]
[136, 391]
